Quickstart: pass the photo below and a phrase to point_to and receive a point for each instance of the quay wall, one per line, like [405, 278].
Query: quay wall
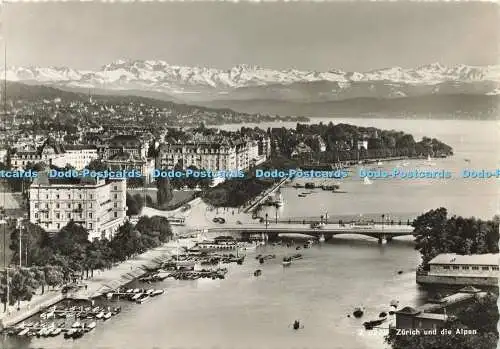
[456, 280]
[25, 313]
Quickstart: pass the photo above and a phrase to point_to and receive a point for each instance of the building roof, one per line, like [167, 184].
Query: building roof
[408, 311]
[474, 259]
[432, 316]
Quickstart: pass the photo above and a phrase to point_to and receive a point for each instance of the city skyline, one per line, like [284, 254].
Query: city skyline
[345, 36]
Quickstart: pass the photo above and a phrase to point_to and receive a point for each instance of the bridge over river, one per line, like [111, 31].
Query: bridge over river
[382, 232]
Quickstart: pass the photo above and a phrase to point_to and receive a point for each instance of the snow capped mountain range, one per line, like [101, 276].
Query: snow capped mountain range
[253, 82]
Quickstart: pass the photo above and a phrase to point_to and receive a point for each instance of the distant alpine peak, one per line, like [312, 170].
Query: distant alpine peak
[160, 76]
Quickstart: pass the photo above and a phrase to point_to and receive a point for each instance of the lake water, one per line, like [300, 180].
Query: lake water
[247, 312]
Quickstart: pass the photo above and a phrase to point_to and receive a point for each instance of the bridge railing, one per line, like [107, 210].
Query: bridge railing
[338, 221]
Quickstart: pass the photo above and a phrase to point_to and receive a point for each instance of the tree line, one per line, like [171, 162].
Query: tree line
[69, 255]
[436, 233]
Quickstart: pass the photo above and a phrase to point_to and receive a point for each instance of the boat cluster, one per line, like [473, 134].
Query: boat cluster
[82, 320]
[369, 325]
[200, 274]
[137, 295]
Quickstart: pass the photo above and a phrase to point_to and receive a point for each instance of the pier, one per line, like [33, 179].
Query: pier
[265, 195]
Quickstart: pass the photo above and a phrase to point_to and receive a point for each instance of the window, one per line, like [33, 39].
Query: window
[447, 267]
[465, 267]
[58, 226]
[36, 215]
[57, 205]
[115, 187]
[116, 196]
[90, 225]
[494, 267]
[58, 216]
[90, 214]
[57, 196]
[69, 205]
[116, 214]
[68, 215]
[456, 267]
[475, 268]
[485, 268]
[36, 205]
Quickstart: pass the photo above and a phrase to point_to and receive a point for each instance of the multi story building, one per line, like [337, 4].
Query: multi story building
[127, 144]
[454, 269]
[48, 153]
[77, 156]
[225, 155]
[97, 205]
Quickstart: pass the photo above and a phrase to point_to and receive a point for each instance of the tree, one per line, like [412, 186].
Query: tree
[428, 234]
[39, 274]
[164, 194]
[54, 275]
[35, 240]
[23, 286]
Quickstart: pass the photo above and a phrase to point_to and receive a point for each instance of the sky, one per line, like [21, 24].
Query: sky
[307, 36]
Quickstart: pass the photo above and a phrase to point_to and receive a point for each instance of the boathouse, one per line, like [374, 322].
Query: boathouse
[454, 269]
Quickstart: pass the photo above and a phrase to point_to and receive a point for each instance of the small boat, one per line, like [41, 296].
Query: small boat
[90, 326]
[261, 261]
[23, 332]
[78, 334]
[379, 163]
[107, 315]
[358, 312]
[136, 290]
[302, 196]
[382, 314]
[116, 310]
[258, 272]
[100, 315]
[367, 181]
[76, 324]
[56, 332]
[70, 333]
[157, 293]
[296, 325]
[136, 296]
[143, 299]
[286, 261]
[298, 248]
[297, 256]
[369, 325]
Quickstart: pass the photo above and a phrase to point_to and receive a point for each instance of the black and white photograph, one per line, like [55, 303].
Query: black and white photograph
[249, 175]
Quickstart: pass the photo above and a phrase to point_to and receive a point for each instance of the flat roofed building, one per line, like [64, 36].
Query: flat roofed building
[95, 204]
[476, 265]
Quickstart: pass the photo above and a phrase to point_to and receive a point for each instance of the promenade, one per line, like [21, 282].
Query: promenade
[103, 281]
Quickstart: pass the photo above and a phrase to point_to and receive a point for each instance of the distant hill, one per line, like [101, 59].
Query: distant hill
[460, 106]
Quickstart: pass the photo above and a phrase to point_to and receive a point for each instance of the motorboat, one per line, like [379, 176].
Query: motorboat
[55, 332]
[258, 272]
[90, 326]
[100, 315]
[286, 261]
[76, 324]
[107, 315]
[70, 333]
[145, 297]
[369, 325]
[157, 293]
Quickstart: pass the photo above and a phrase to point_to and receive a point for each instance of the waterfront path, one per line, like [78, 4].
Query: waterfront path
[103, 281]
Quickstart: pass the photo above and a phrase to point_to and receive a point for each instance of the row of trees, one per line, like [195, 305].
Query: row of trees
[68, 255]
[341, 141]
[436, 233]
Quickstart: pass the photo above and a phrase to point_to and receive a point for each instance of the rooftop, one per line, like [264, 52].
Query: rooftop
[474, 259]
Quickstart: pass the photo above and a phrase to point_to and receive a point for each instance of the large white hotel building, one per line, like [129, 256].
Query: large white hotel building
[97, 205]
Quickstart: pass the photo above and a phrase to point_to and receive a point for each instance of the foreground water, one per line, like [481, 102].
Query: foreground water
[245, 312]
